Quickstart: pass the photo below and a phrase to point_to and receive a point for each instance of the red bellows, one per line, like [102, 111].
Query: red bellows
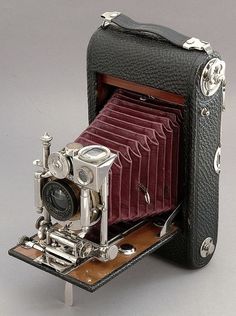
[145, 134]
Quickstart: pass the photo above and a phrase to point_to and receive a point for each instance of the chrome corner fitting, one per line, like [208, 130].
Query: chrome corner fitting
[108, 16]
[196, 43]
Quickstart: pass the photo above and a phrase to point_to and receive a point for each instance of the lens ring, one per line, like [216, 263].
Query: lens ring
[59, 200]
[85, 176]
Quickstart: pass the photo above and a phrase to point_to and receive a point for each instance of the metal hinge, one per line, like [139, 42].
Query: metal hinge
[196, 43]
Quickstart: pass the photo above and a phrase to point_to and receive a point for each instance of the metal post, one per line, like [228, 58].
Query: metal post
[69, 294]
[85, 210]
[104, 218]
[46, 143]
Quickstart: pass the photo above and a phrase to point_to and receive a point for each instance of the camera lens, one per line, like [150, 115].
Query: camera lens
[60, 200]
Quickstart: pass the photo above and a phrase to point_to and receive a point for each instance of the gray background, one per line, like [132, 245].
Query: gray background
[43, 87]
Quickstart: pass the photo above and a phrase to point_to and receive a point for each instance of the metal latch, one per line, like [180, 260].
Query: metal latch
[108, 16]
[196, 43]
[217, 160]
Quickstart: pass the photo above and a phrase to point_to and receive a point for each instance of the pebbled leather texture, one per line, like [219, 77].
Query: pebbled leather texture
[200, 212]
[157, 63]
[144, 60]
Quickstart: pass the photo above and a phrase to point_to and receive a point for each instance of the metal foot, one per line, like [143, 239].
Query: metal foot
[69, 295]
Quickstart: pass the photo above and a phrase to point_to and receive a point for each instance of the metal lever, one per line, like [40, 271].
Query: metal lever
[145, 192]
[169, 221]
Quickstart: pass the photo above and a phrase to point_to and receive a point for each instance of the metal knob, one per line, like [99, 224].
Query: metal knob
[59, 165]
[207, 247]
[72, 149]
[212, 76]
[46, 138]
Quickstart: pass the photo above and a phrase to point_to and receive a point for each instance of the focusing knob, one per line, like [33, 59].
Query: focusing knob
[59, 165]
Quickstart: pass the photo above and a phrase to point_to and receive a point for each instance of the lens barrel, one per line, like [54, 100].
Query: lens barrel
[60, 200]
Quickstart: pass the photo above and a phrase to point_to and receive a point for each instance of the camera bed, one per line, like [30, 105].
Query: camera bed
[92, 273]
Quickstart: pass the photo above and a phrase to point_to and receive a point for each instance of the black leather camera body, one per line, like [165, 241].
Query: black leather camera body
[144, 175]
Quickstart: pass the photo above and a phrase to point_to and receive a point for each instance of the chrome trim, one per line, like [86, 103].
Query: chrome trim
[38, 184]
[46, 143]
[166, 224]
[72, 149]
[145, 192]
[105, 153]
[217, 160]
[207, 247]
[213, 75]
[58, 165]
[127, 249]
[104, 217]
[84, 211]
[196, 43]
[205, 112]
[108, 16]
[223, 93]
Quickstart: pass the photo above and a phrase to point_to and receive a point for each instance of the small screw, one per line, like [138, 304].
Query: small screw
[205, 112]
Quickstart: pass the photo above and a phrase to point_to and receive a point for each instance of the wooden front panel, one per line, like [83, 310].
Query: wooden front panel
[146, 90]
